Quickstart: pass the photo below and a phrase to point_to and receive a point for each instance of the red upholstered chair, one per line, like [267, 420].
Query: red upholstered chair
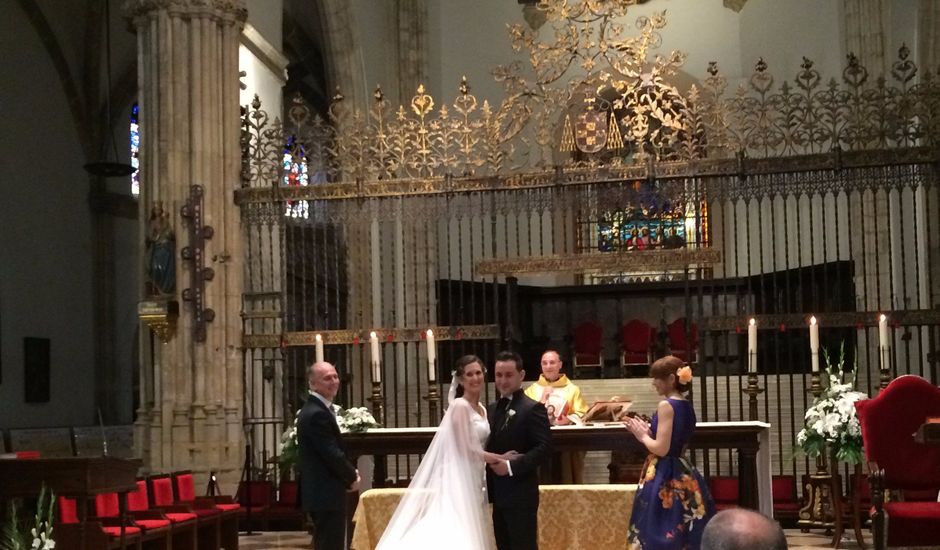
[208, 518]
[285, 511]
[185, 490]
[261, 497]
[27, 455]
[636, 344]
[897, 462]
[786, 500]
[588, 343]
[153, 526]
[724, 490]
[682, 346]
[69, 532]
[182, 525]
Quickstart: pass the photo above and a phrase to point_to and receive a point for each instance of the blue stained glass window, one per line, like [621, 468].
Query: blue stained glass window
[135, 150]
[295, 173]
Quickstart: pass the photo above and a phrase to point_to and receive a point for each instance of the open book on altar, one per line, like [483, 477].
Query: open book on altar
[613, 410]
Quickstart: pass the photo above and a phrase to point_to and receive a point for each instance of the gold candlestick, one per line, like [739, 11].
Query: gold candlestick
[815, 387]
[752, 390]
[434, 403]
[378, 403]
[822, 491]
[885, 366]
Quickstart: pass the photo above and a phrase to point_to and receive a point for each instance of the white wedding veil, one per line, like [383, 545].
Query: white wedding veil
[445, 501]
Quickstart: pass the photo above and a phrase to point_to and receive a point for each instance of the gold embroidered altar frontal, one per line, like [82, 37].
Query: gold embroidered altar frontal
[571, 517]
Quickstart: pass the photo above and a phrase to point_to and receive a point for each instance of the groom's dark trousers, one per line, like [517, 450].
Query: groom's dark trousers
[518, 424]
[516, 528]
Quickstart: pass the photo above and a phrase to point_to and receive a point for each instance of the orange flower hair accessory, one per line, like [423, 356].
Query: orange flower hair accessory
[684, 374]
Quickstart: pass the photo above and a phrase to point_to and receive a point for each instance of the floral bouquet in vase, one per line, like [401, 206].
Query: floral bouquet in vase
[831, 421]
[352, 420]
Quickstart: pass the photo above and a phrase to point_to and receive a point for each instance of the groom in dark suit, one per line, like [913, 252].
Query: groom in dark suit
[325, 472]
[520, 424]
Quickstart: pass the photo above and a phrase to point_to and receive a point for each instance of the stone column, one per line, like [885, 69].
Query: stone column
[188, 82]
[865, 34]
[928, 36]
[412, 16]
[342, 51]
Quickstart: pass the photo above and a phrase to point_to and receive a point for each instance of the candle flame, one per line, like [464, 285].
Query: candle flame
[372, 334]
[883, 317]
[430, 332]
[318, 338]
[753, 321]
[812, 320]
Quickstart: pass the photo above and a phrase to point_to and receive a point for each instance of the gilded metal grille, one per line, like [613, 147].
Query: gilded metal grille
[622, 116]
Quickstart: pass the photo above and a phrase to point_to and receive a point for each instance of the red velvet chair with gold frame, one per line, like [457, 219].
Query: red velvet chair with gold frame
[683, 344]
[898, 463]
[588, 347]
[636, 345]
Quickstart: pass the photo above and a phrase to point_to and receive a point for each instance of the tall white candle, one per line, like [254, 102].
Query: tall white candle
[752, 345]
[376, 367]
[814, 342]
[432, 356]
[883, 331]
[319, 349]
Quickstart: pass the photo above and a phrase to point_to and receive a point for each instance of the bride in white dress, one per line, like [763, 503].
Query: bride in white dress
[445, 504]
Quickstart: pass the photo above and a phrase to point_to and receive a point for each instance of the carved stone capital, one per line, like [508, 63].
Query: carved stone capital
[160, 316]
[229, 11]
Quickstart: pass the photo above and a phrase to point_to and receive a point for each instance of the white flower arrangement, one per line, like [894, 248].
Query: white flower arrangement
[39, 537]
[353, 420]
[831, 420]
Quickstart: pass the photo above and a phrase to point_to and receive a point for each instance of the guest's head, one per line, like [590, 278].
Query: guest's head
[322, 378]
[551, 365]
[740, 529]
[508, 372]
[470, 374]
[670, 374]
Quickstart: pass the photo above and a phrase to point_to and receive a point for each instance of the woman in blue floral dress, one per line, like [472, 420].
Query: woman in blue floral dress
[672, 503]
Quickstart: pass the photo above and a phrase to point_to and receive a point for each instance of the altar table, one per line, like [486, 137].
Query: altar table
[750, 440]
[571, 517]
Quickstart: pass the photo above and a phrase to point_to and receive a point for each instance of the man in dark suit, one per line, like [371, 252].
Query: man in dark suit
[520, 424]
[325, 472]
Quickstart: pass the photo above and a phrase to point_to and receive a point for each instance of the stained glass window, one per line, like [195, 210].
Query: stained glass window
[645, 228]
[295, 173]
[648, 219]
[135, 150]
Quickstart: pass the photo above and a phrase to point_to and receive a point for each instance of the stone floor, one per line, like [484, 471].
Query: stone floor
[298, 540]
[814, 540]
